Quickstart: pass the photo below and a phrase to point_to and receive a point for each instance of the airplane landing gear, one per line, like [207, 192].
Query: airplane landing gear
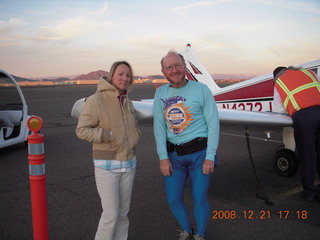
[285, 162]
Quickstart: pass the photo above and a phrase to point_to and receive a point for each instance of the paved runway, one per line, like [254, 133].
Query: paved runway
[74, 205]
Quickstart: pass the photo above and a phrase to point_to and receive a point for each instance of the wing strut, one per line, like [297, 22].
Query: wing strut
[259, 194]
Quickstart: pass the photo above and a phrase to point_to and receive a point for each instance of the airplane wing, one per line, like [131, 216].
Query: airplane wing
[239, 119]
[143, 109]
[236, 119]
[263, 121]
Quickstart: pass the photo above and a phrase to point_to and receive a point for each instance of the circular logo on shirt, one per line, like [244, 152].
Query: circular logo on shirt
[175, 115]
[178, 117]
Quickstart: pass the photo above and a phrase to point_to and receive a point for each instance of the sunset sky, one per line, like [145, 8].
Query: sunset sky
[42, 38]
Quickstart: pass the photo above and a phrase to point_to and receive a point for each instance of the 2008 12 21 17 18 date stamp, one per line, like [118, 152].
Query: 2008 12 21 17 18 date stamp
[260, 215]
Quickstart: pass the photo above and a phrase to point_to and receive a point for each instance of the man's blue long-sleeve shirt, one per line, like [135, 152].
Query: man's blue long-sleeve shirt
[182, 114]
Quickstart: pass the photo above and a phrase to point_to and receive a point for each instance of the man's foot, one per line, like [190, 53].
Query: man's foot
[198, 237]
[309, 197]
[184, 235]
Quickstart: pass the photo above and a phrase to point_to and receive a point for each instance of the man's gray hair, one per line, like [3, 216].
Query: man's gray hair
[172, 52]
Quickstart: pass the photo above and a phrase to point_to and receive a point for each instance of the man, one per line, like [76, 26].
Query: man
[298, 91]
[186, 129]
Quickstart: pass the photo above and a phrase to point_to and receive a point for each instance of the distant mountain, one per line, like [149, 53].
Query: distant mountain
[21, 79]
[54, 78]
[62, 79]
[96, 75]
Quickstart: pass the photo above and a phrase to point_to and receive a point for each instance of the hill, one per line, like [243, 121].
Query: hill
[21, 79]
[96, 75]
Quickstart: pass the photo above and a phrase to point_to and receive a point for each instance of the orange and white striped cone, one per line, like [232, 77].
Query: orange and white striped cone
[37, 179]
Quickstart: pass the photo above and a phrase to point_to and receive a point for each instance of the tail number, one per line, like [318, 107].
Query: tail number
[249, 106]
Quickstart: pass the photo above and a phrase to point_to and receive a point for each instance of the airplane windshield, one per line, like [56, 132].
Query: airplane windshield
[315, 70]
[9, 95]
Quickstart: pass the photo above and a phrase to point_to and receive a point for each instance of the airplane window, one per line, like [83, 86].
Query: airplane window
[315, 70]
[9, 95]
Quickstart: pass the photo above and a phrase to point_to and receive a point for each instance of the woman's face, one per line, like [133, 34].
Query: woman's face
[121, 78]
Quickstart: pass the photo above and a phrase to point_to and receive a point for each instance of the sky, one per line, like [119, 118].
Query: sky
[42, 38]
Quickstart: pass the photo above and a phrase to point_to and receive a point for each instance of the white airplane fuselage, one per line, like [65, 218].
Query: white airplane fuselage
[255, 94]
[251, 95]
[249, 105]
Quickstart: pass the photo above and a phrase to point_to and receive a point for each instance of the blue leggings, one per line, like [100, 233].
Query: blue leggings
[183, 167]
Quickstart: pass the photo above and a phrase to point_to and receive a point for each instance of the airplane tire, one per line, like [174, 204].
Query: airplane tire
[286, 163]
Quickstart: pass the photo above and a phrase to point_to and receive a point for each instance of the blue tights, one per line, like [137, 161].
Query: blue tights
[184, 167]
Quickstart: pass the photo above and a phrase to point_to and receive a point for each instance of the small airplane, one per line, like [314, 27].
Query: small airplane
[249, 105]
[13, 112]
[246, 105]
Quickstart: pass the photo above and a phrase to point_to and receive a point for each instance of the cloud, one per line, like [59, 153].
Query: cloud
[199, 5]
[102, 11]
[240, 32]
[63, 30]
[79, 23]
[83, 26]
[10, 28]
[299, 6]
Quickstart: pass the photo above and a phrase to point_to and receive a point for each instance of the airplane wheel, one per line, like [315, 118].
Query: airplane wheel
[286, 163]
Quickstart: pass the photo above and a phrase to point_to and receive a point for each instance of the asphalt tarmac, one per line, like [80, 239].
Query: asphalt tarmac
[73, 202]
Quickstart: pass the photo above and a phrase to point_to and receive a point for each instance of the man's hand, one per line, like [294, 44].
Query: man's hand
[166, 167]
[207, 166]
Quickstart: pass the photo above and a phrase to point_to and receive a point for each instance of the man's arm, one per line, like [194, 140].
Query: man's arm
[277, 104]
[166, 167]
[211, 115]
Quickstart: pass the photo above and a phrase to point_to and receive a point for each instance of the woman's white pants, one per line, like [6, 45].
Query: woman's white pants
[115, 190]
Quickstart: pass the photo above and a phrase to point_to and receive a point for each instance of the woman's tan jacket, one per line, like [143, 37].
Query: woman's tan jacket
[111, 128]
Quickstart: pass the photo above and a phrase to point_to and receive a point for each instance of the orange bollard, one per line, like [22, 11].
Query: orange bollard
[37, 179]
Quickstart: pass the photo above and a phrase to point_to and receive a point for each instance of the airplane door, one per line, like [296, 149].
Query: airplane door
[13, 112]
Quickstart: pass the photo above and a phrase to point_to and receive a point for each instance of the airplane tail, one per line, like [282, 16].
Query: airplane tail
[196, 71]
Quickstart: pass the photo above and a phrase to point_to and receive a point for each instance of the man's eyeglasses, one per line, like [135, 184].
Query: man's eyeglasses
[176, 66]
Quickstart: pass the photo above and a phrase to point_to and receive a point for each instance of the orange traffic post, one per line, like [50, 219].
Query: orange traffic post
[37, 179]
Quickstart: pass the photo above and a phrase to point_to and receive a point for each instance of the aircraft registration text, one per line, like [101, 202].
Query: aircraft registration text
[263, 106]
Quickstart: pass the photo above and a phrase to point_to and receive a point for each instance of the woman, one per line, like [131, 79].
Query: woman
[108, 121]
